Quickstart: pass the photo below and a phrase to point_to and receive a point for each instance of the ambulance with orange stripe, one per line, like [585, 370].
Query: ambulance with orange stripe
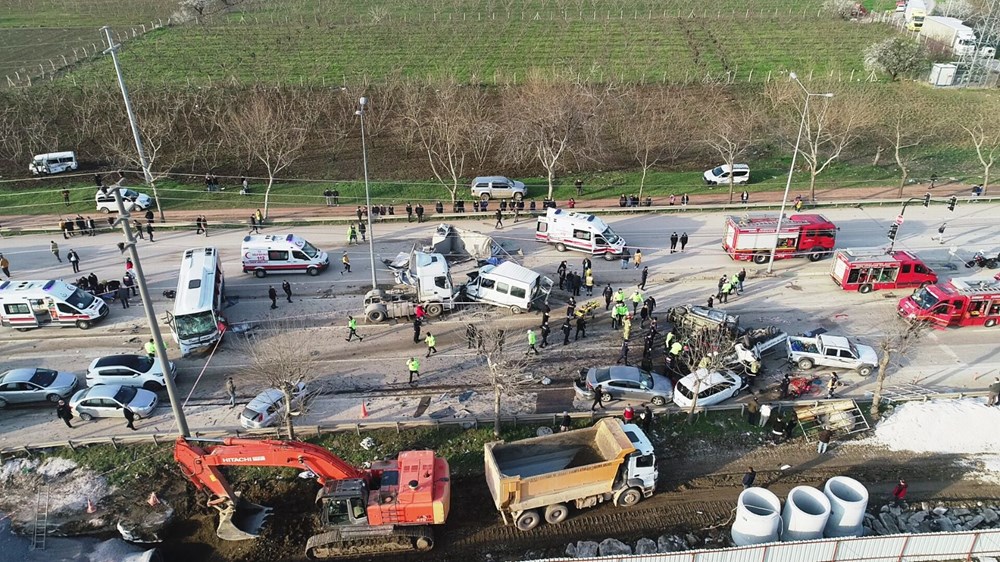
[569, 230]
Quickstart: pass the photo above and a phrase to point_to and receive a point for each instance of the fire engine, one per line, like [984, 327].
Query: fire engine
[966, 301]
[752, 237]
[868, 270]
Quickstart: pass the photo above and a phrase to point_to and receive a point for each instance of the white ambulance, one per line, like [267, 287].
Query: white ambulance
[34, 304]
[569, 230]
[282, 253]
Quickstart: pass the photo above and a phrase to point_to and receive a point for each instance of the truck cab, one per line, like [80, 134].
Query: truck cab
[640, 470]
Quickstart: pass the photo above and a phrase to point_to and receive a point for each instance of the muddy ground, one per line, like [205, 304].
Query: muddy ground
[699, 483]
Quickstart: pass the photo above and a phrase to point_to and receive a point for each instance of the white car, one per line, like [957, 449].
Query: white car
[720, 174]
[109, 401]
[268, 407]
[712, 387]
[132, 199]
[129, 370]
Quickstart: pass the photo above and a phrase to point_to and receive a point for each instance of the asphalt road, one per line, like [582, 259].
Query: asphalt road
[800, 297]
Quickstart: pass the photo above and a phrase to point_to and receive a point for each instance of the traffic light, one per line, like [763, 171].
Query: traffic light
[952, 202]
[927, 199]
[893, 229]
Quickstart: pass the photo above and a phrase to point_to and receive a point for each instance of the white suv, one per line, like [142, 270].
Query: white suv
[129, 370]
[720, 174]
[499, 187]
[132, 199]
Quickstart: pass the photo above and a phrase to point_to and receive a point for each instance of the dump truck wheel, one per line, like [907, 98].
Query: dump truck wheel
[555, 514]
[528, 520]
[434, 310]
[805, 364]
[628, 498]
[376, 316]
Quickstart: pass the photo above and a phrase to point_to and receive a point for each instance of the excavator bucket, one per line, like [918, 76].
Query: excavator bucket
[242, 521]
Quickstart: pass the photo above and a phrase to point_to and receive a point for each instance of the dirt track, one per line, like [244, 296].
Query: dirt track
[698, 489]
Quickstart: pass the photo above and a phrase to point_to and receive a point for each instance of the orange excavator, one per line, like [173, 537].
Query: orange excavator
[389, 507]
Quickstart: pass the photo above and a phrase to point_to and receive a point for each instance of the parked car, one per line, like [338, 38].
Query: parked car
[720, 174]
[109, 401]
[132, 199]
[498, 187]
[129, 370]
[269, 406]
[20, 386]
[625, 383]
[713, 388]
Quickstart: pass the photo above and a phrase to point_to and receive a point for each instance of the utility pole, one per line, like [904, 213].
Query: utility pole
[113, 49]
[147, 306]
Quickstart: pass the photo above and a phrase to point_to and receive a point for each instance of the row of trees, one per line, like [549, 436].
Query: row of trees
[547, 125]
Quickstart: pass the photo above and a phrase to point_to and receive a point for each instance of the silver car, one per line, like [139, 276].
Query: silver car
[268, 407]
[625, 383]
[20, 386]
[498, 187]
[109, 401]
[129, 370]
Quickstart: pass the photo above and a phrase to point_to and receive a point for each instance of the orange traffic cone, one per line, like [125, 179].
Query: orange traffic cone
[364, 409]
[153, 500]
[91, 508]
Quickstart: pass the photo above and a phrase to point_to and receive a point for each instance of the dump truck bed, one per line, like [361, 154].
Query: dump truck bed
[556, 468]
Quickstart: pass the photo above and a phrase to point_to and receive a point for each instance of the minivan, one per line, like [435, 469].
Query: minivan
[52, 163]
[720, 174]
[499, 187]
[105, 199]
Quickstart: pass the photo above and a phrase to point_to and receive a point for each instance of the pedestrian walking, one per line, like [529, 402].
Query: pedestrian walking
[204, 225]
[628, 414]
[413, 368]
[129, 418]
[579, 187]
[745, 197]
[532, 340]
[231, 391]
[431, 342]
[150, 348]
[74, 260]
[54, 248]
[545, 330]
[564, 422]
[823, 440]
[197, 225]
[64, 413]
[711, 301]
[753, 411]
[740, 278]
[637, 261]
[673, 242]
[253, 224]
[352, 329]
[623, 354]
[561, 272]
[92, 226]
[129, 284]
[363, 231]
[625, 256]
[123, 295]
[287, 288]
[273, 295]
[149, 231]
[499, 216]
[684, 240]
[566, 329]
[994, 392]
[940, 235]
[783, 386]
[581, 328]
[138, 230]
[748, 477]
[899, 493]
[643, 315]
[636, 300]
[727, 287]
[347, 263]
[608, 293]
[832, 387]
[546, 311]
[598, 398]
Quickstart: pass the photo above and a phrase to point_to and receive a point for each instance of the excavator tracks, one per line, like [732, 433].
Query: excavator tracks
[350, 542]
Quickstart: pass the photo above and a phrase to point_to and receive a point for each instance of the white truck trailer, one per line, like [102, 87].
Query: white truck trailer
[954, 34]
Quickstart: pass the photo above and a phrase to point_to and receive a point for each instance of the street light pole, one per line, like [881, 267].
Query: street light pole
[791, 169]
[368, 199]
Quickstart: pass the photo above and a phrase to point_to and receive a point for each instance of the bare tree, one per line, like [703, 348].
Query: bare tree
[283, 357]
[903, 133]
[898, 337]
[984, 131]
[271, 128]
[504, 361]
[733, 130]
[705, 350]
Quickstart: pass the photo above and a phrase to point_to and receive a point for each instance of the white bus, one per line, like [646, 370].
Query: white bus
[197, 319]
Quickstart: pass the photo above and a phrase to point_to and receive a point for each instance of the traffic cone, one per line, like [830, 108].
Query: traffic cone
[91, 508]
[364, 409]
[153, 500]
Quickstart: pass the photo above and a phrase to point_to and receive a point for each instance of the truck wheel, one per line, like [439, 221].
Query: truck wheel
[865, 370]
[990, 323]
[805, 364]
[761, 258]
[816, 254]
[434, 310]
[376, 316]
[561, 247]
[865, 289]
[555, 514]
[528, 520]
[516, 309]
[313, 271]
[259, 273]
[628, 498]
[83, 324]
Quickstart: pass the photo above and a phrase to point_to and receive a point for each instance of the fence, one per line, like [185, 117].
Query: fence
[888, 548]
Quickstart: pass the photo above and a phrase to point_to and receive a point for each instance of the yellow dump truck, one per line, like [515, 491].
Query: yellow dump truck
[543, 476]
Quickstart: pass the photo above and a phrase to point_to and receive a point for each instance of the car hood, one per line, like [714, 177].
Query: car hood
[64, 380]
[867, 354]
[143, 400]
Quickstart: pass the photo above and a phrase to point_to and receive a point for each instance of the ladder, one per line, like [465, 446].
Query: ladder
[41, 525]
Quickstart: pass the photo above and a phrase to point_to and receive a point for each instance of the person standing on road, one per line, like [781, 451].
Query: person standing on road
[413, 367]
[566, 330]
[329, 197]
[149, 231]
[204, 225]
[749, 477]
[823, 440]
[734, 282]
[420, 213]
[532, 340]
[197, 225]
[940, 234]
[608, 293]
[636, 300]
[352, 235]
[431, 342]
[684, 240]
[92, 226]
[150, 348]
[589, 282]
[347, 263]
[138, 229]
[129, 418]
[363, 231]
[123, 295]
[253, 224]
[231, 391]
[994, 392]
[129, 283]
[499, 216]
[643, 277]
[628, 415]
[753, 411]
[54, 248]
[273, 295]
[409, 212]
[545, 330]
[287, 288]
[638, 258]
[561, 272]
[336, 197]
[416, 332]
[625, 255]
[623, 354]
[64, 413]
[745, 197]
[832, 387]
[352, 329]
[546, 311]
[899, 493]
[673, 242]
[727, 287]
[74, 260]
[740, 278]
[581, 328]
[598, 398]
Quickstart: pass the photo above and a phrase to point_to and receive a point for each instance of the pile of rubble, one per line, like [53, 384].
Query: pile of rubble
[615, 547]
[924, 519]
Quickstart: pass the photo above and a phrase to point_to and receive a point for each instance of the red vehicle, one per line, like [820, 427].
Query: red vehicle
[968, 301]
[388, 507]
[751, 238]
[867, 271]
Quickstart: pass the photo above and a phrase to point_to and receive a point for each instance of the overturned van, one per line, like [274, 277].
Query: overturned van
[509, 285]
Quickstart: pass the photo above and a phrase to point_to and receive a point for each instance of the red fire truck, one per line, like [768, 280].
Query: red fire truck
[751, 238]
[865, 271]
[967, 301]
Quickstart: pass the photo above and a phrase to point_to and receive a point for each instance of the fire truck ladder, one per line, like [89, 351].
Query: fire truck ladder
[40, 528]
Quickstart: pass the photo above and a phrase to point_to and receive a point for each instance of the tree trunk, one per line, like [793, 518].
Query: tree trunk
[902, 181]
[496, 411]
[642, 181]
[156, 197]
[267, 194]
[812, 185]
[732, 186]
[694, 399]
[986, 178]
[883, 366]
[289, 426]
[878, 156]
[552, 176]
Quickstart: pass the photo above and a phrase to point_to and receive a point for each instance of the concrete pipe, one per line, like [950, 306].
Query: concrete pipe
[848, 502]
[757, 517]
[805, 515]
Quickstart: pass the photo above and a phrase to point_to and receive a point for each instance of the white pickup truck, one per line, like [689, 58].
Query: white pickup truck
[831, 351]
